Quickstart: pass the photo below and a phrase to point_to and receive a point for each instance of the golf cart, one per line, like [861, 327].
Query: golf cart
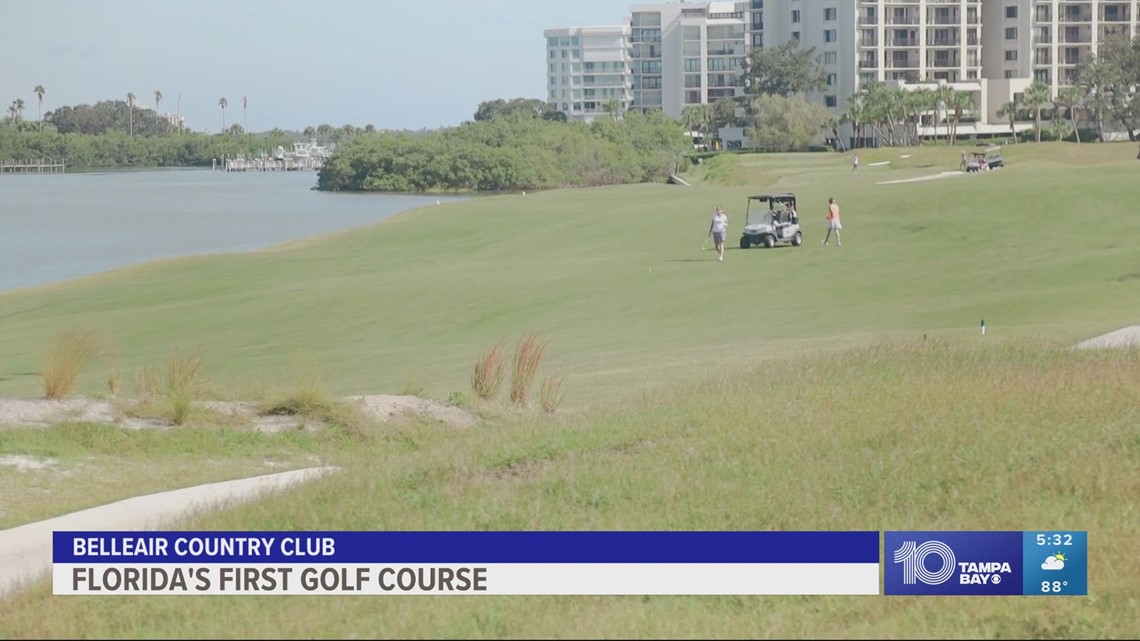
[985, 160]
[771, 224]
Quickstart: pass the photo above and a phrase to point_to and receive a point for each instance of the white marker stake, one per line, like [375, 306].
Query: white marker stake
[983, 327]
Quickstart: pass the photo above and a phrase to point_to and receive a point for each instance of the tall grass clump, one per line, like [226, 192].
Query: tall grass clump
[72, 350]
[550, 393]
[528, 356]
[490, 370]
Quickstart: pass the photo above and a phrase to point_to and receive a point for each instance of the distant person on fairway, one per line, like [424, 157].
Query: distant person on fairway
[855, 164]
[833, 223]
[718, 229]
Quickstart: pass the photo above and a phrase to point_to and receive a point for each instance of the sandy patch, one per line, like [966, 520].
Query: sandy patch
[25, 463]
[384, 408]
[26, 551]
[945, 174]
[1120, 339]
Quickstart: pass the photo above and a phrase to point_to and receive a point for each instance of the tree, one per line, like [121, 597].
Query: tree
[784, 70]
[613, 108]
[786, 123]
[499, 108]
[1068, 101]
[856, 116]
[223, 103]
[244, 117]
[131, 107]
[157, 102]
[960, 101]
[39, 90]
[1107, 82]
[19, 104]
[1037, 98]
[1010, 110]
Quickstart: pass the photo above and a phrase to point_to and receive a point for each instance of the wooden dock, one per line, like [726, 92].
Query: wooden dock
[33, 166]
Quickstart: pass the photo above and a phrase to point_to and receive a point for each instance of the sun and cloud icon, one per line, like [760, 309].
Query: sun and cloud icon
[1054, 562]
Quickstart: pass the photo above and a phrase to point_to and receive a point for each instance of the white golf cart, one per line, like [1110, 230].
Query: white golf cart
[985, 160]
[776, 223]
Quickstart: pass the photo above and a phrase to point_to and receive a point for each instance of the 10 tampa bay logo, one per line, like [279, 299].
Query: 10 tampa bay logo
[983, 563]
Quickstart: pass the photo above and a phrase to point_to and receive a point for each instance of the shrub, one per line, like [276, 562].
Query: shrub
[490, 370]
[72, 350]
[528, 356]
[550, 393]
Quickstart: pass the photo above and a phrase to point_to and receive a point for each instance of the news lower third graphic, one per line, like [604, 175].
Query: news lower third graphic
[466, 563]
[1046, 563]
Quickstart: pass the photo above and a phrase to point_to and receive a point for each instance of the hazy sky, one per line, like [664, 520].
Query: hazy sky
[415, 63]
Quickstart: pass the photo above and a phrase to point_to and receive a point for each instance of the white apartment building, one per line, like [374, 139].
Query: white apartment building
[691, 52]
[588, 70]
[687, 53]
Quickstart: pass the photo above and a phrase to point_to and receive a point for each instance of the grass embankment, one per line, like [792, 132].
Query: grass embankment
[943, 434]
[686, 413]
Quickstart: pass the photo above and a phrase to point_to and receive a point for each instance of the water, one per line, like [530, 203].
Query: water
[59, 227]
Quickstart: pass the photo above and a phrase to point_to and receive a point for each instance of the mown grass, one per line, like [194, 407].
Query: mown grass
[936, 434]
[420, 296]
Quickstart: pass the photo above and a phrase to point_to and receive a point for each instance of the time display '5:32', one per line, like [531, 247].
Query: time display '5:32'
[1054, 539]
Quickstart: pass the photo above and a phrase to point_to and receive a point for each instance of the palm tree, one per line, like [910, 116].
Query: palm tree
[856, 114]
[310, 132]
[157, 102]
[960, 101]
[943, 96]
[612, 107]
[40, 97]
[223, 103]
[1010, 110]
[19, 104]
[131, 111]
[244, 119]
[1036, 98]
[1069, 99]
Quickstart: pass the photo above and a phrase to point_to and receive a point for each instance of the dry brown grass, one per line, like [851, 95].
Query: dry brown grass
[72, 350]
[528, 357]
[182, 372]
[550, 393]
[113, 382]
[490, 370]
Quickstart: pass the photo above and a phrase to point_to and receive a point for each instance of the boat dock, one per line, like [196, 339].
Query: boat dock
[32, 166]
[303, 157]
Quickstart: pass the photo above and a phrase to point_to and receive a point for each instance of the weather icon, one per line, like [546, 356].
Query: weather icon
[1055, 562]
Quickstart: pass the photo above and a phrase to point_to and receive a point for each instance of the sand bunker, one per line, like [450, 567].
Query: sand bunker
[44, 413]
[1120, 339]
[945, 174]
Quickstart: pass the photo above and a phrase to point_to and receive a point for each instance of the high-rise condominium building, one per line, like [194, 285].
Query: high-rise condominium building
[588, 70]
[692, 52]
[687, 53]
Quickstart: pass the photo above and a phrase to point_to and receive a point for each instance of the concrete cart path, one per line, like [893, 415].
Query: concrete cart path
[26, 551]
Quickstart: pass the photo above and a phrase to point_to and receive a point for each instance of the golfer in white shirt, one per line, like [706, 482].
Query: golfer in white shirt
[718, 229]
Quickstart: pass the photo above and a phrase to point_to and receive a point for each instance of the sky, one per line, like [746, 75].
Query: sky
[411, 64]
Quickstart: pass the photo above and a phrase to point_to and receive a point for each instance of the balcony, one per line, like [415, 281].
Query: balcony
[1112, 14]
[1076, 17]
[944, 20]
[868, 21]
[902, 42]
[902, 20]
[868, 64]
[943, 42]
[1076, 39]
[869, 42]
[943, 64]
[902, 64]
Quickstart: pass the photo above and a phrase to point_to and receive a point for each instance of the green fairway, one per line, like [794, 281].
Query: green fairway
[615, 278]
[814, 388]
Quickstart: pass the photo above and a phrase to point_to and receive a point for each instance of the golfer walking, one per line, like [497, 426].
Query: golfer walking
[833, 223]
[718, 228]
[855, 164]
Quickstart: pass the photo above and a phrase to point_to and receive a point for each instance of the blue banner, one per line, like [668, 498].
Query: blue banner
[466, 547]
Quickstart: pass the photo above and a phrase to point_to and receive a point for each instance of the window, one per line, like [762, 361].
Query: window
[829, 58]
[692, 97]
[831, 79]
[829, 14]
[829, 35]
[565, 53]
[1009, 73]
[716, 64]
[693, 80]
[830, 101]
[795, 15]
[553, 54]
[1011, 33]
[576, 54]
[1010, 55]
[1011, 12]
[574, 41]
[553, 67]
[552, 42]
[796, 36]
[692, 64]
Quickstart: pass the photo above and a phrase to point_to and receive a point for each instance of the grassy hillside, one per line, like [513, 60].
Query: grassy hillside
[616, 280]
[795, 388]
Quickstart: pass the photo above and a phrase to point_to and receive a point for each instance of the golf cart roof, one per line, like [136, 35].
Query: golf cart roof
[765, 197]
